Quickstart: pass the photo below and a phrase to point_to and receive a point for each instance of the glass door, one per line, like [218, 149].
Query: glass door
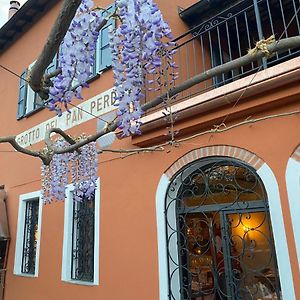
[229, 255]
[249, 255]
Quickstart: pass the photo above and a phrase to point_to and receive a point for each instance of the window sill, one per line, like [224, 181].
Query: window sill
[78, 282]
[93, 78]
[26, 275]
[29, 114]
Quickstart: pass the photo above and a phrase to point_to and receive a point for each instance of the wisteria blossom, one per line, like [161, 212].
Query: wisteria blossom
[138, 46]
[80, 167]
[76, 57]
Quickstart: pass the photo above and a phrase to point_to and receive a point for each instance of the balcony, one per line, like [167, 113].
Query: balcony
[225, 30]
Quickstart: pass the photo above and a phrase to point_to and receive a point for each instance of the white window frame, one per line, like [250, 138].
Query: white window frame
[67, 244]
[30, 97]
[20, 233]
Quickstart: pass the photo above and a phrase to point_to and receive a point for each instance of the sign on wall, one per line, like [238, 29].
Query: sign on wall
[96, 106]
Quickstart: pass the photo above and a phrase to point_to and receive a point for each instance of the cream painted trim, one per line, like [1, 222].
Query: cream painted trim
[293, 188]
[284, 264]
[161, 237]
[280, 241]
[67, 244]
[20, 233]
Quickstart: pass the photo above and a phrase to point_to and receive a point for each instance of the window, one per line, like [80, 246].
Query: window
[103, 52]
[219, 235]
[28, 235]
[81, 240]
[82, 263]
[29, 101]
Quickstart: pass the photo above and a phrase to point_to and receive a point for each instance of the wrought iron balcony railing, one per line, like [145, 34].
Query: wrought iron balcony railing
[229, 35]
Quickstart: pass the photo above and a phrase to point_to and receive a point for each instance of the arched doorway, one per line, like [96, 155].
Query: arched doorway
[219, 235]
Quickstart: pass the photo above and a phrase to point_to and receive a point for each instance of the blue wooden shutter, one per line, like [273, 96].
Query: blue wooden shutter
[53, 65]
[22, 95]
[103, 54]
[38, 102]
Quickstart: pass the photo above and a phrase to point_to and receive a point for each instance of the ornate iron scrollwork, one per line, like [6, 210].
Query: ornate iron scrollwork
[220, 242]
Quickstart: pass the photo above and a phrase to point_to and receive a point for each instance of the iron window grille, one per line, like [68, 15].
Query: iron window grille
[83, 230]
[30, 236]
[220, 242]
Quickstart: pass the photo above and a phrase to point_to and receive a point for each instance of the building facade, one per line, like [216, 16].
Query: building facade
[210, 214]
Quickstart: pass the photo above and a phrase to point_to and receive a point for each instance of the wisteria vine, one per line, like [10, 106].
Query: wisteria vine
[76, 57]
[81, 167]
[140, 46]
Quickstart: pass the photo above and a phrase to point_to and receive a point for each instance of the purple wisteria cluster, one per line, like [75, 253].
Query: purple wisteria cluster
[139, 46]
[76, 57]
[81, 167]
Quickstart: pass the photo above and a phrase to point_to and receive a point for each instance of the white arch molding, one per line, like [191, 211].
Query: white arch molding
[293, 189]
[283, 260]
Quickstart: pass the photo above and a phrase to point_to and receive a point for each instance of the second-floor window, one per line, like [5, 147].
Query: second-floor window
[29, 101]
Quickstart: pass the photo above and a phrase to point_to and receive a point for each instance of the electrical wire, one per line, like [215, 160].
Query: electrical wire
[236, 102]
[260, 67]
[89, 113]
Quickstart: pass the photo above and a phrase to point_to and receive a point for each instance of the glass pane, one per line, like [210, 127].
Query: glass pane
[252, 256]
[228, 257]
[30, 236]
[219, 184]
[199, 261]
[83, 240]
[224, 246]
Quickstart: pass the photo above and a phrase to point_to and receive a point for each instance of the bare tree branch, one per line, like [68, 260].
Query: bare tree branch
[135, 150]
[38, 80]
[282, 45]
[12, 140]
[52, 74]
[46, 155]
[59, 131]
[110, 128]
[56, 35]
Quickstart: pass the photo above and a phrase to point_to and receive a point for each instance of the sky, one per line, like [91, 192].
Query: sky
[4, 6]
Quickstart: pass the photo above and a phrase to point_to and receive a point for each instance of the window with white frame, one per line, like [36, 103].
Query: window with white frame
[29, 101]
[28, 235]
[81, 239]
